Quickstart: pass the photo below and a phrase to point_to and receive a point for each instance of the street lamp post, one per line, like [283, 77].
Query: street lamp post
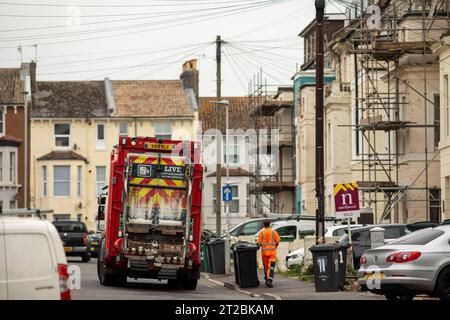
[227, 248]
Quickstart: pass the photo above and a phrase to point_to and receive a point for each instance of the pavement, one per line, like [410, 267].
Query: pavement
[146, 289]
[287, 288]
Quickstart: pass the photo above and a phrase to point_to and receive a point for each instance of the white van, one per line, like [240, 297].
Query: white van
[33, 265]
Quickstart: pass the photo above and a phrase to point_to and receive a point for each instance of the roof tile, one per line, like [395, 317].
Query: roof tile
[11, 86]
[157, 98]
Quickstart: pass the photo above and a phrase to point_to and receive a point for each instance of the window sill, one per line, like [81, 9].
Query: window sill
[10, 186]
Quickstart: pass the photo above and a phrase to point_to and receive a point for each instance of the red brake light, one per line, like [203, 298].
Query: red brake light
[192, 249]
[63, 277]
[363, 260]
[401, 257]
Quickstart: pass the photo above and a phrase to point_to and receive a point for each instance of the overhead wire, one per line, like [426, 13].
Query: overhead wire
[208, 17]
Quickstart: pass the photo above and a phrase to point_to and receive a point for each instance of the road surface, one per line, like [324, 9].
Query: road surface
[145, 289]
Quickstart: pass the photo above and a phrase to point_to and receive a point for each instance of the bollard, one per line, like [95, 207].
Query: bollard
[377, 237]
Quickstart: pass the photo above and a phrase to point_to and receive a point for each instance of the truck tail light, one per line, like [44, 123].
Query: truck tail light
[85, 239]
[63, 277]
[192, 248]
[401, 257]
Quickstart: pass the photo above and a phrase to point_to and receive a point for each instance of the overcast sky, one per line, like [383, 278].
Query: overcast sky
[138, 39]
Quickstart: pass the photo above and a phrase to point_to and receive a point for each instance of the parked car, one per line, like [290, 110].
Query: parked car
[295, 229]
[340, 230]
[32, 261]
[94, 242]
[418, 263]
[248, 228]
[361, 238]
[296, 257]
[74, 236]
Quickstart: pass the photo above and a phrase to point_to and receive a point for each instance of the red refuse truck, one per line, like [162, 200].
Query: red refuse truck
[152, 213]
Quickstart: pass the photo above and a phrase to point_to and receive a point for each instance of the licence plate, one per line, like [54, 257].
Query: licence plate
[170, 266]
[68, 249]
[94, 242]
[374, 276]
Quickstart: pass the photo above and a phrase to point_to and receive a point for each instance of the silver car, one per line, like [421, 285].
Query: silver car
[418, 263]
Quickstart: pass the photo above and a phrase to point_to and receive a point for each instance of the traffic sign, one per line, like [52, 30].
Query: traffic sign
[227, 194]
[346, 200]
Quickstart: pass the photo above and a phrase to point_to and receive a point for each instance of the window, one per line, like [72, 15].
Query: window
[248, 199]
[437, 119]
[393, 233]
[435, 205]
[446, 103]
[70, 226]
[12, 167]
[100, 173]
[403, 115]
[100, 136]
[163, 130]
[288, 231]
[44, 181]
[2, 122]
[250, 229]
[1, 166]
[61, 181]
[62, 135]
[420, 237]
[63, 216]
[234, 205]
[123, 129]
[13, 204]
[79, 177]
[340, 232]
[232, 151]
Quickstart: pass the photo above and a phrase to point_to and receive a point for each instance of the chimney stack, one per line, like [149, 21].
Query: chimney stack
[189, 76]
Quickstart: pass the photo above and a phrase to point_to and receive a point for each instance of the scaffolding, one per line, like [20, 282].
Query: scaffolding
[269, 175]
[407, 31]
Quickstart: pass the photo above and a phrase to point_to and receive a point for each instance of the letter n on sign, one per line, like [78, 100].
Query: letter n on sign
[346, 200]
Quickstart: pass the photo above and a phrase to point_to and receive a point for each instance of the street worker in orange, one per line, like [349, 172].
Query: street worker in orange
[268, 241]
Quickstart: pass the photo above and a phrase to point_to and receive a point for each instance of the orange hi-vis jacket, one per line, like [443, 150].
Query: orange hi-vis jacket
[268, 240]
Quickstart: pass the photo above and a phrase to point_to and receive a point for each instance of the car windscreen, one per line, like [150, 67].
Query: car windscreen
[70, 227]
[420, 238]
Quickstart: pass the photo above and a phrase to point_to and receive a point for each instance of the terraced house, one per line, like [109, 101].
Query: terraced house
[74, 125]
[15, 97]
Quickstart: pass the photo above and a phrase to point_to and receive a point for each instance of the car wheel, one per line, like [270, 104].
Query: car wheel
[399, 297]
[443, 284]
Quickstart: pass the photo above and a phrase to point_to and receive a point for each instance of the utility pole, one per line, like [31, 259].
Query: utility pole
[218, 138]
[320, 188]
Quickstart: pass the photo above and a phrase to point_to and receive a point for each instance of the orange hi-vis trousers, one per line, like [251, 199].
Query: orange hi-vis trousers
[269, 266]
[268, 239]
